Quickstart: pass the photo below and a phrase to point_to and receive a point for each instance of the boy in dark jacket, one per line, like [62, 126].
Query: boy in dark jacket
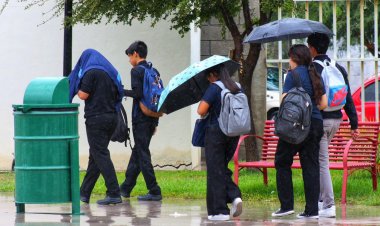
[318, 45]
[144, 123]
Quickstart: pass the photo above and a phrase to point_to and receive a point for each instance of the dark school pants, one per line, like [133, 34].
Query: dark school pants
[219, 150]
[140, 160]
[99, 130]
[308, 152]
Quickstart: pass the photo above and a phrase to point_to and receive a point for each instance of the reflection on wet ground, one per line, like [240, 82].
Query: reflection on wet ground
[171, 212]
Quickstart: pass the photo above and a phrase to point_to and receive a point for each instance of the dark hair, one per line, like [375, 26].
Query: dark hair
[139, 47]
[319, 41]
[300, 54]
[223, 75]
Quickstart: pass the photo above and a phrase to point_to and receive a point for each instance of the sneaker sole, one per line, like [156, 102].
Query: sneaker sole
[283, 214]
[313, 217]
[239, 209]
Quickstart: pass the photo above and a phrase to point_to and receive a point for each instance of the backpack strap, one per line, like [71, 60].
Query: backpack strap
[122, 109]
[220, 84]
[325, 63]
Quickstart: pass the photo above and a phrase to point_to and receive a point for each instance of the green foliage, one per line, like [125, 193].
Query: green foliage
[187, 184]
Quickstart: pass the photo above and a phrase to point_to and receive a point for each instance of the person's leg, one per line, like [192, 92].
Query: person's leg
[215, 143]
[145, 132]
[283, 162]
[309, 157]
[131, 174]
[330, 127]
[89, 180]
[100, 129]
[233, 190]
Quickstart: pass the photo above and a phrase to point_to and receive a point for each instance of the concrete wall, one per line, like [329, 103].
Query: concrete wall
[30, 50]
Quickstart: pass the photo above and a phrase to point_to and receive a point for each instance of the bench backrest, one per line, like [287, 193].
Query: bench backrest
[361, 150]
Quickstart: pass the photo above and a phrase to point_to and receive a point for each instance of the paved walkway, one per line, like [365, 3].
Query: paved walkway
[170, 212]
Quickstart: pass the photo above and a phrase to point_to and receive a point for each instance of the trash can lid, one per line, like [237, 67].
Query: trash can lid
[47, 90]
[46, 93]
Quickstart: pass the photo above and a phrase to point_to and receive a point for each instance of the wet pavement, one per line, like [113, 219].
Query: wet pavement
[171, 212]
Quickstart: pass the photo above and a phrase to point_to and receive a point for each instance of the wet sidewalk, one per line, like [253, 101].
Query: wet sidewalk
[170, 212]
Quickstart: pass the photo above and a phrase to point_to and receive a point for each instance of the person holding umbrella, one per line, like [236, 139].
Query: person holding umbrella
[219, 149]
[300, 62]
[318, 45]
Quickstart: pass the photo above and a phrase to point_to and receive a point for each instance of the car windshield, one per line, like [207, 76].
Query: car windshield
[272, 79]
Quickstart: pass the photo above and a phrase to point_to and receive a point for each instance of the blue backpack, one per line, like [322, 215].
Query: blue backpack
[152, 88]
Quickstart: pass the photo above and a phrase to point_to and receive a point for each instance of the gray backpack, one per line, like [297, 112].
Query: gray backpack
[294, 117]
[234, 118]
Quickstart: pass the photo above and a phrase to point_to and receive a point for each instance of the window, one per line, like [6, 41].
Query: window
[370, 93]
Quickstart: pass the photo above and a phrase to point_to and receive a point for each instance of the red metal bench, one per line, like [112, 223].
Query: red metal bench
[345, 153]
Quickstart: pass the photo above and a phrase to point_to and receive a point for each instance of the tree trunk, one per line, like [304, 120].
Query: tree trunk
[258, 104]
[245, 77]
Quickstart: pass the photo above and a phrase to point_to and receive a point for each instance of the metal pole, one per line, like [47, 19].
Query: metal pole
[67, 39]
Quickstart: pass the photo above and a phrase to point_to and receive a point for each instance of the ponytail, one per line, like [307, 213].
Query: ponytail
[316, 81]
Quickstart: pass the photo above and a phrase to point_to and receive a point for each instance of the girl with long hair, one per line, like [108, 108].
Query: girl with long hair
[300, 62]
[219, 150]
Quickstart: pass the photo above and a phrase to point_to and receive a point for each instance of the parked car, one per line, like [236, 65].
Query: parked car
[273, 95]
[369, 95]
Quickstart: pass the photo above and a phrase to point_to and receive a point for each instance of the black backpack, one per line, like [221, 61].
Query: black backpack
[294, 117]
[122, 131]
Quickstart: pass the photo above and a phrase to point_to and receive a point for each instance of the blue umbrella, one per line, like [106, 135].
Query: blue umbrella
[188, 87]
[286, 29]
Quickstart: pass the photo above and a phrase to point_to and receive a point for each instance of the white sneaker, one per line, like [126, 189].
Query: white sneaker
[320, 205]
[219, 217]
[328, 212]
[237, 207]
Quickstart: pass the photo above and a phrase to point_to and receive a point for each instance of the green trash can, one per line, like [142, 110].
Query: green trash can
[46, 145]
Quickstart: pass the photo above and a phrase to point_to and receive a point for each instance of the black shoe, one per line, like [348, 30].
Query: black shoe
[125, 194]
[281, 213]
[307, 216]
[149, 197]
[108, 200]
[84, 199]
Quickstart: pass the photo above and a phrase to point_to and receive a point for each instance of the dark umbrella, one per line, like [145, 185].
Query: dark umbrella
[286, 29]
[188, 87]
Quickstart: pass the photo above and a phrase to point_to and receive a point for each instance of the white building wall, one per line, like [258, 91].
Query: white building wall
[28, 51]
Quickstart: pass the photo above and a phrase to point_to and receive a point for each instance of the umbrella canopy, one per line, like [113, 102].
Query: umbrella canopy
[188, 87]
[286, 29]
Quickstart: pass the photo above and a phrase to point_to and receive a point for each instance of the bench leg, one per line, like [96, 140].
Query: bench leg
[236, 174]
[374, 178]
[344, 185]
[265, 176]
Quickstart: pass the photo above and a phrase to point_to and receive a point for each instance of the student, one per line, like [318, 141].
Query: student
[318, 45]
[300, 63]
[98, 83]
[144, 126]
[219, 149]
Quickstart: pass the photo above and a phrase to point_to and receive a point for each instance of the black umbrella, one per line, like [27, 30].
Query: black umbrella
[286, 29]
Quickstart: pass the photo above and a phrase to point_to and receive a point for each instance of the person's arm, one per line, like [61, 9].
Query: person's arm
[83, 95]
[323, 103]
[137, 77]
[203, 108]
[349, 107]
[86, 85]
